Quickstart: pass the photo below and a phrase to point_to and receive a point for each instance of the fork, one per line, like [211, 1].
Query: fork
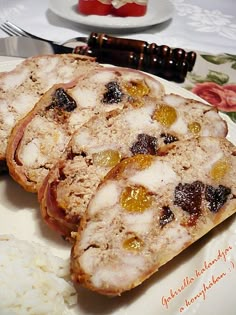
[14, 30]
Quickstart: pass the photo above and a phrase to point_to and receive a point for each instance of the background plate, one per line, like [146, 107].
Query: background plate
[170, 291]
[157, 12]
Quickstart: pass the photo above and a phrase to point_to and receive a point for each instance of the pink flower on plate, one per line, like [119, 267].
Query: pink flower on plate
[222, 97]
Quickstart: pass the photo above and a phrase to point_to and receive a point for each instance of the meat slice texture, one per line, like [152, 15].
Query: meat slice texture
[22, 87]
[148, 209]
[108, 138]
[38, 140]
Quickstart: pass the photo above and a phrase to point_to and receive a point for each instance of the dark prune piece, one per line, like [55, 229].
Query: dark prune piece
[145, 145]
[216, 197]
[62, 175]
[166, 216]
[168, 138]
[71, 155]
[63, 101]
[189, 197]
[113, 94]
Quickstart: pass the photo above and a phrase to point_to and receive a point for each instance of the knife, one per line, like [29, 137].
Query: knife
[173, 67]
[165, 67]
[101, 40]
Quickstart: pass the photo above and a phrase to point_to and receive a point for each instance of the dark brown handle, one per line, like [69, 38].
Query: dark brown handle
[99, 40]
[167, 68]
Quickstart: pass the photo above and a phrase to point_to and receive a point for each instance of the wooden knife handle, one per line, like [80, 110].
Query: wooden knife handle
[100, 40]
[165, 67]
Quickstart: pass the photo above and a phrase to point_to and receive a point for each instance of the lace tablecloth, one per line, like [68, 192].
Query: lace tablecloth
[196, 24]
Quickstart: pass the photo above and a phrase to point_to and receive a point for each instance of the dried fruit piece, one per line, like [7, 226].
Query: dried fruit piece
[194, 127]
[216, 196]
[143, 160]
[189, 197]
[134, 244]
[166, 216]
[168, 138]
[62, 100]
[145, 145]
[135, 199]
[219, 169]
[113, 94]
[137, 89]
[166, 115]
[107, 158]
[137, 103]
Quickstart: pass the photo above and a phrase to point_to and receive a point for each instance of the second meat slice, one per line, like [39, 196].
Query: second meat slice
[39, 139]
[108, 138]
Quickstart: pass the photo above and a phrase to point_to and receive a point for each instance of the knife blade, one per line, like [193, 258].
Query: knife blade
[27, 47]
[104, 41]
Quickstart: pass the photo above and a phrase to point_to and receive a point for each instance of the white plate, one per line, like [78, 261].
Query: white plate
[176, 282]
[158, 11]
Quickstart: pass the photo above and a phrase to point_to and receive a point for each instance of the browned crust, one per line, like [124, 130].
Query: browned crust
[55, 218]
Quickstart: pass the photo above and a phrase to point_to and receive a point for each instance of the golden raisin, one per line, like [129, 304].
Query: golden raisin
[134, 244]
[143, 160]
[107, 158]
[135, 199]
[194, 127]
[219, 169]
[137, 103]
[137, 89]
[166, 115]
[136, 162]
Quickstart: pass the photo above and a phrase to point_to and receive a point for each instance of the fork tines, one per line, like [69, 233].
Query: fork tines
[13, 30]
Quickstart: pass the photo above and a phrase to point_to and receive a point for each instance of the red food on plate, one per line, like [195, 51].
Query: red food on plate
[97, 7]
[130, 9]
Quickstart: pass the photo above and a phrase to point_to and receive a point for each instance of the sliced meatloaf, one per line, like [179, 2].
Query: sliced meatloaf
[149, 208]
[108, 138]
[39, 139]
[22, 87]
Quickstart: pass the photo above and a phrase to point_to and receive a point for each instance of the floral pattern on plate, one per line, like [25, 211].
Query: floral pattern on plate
[214, 79]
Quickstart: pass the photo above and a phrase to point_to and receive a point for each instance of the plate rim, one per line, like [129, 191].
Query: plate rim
[141, 303]
[150, 19]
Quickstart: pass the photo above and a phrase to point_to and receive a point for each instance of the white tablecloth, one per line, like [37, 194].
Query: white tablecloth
[202, 25]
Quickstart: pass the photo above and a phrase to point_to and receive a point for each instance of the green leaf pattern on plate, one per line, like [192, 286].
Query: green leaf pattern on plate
[221, 59]
[217, 77]
[232, 115]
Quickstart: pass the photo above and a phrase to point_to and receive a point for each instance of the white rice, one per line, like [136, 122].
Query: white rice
[32, 280]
